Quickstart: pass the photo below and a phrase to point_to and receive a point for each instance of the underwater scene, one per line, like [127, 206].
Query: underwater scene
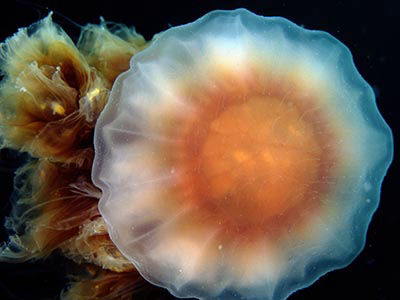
[213, 150]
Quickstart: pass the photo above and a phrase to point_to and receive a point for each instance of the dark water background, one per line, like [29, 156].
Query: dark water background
[369, 28]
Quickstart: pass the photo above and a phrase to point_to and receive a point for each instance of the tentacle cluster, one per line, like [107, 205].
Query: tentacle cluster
[50, 97]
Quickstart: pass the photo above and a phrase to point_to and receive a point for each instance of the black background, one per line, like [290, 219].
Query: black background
[370, 30]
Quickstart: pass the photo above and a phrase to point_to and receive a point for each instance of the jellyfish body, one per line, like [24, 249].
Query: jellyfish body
[240, 157]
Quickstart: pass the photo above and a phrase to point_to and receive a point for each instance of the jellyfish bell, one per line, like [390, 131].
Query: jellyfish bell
[240, 157]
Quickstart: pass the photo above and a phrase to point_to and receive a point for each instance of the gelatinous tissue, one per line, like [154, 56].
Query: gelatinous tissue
[241, 157]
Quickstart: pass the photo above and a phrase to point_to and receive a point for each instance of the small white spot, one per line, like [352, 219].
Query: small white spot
[368, 200]
[219, 247]
[180, 270]
[172, 171]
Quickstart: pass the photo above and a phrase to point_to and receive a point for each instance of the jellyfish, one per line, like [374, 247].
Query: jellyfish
[235, 157]
[238, 158]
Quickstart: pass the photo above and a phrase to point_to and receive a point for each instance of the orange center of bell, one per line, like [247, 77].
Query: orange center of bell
[255, 160]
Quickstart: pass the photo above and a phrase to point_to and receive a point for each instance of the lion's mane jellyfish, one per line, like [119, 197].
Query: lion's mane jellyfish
[240, 157]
